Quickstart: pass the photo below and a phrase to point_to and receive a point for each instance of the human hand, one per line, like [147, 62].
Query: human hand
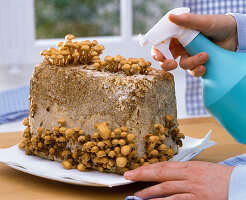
[220, 29]
[193, 180]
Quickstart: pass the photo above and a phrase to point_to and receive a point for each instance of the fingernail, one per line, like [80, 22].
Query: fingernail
[138, 194]
[128, 174]
[202, 57]
[173, 15]
[168, 63]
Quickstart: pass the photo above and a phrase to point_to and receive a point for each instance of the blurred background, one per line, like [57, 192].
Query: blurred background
[30, 26]
[93, 18]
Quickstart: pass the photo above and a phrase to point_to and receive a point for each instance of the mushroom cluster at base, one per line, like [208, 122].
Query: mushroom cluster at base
[88, 53]
[103, 150]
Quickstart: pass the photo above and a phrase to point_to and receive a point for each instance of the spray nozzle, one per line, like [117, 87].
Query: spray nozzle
[161, 34]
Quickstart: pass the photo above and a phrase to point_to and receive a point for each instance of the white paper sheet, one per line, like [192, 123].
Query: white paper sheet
[16, 158]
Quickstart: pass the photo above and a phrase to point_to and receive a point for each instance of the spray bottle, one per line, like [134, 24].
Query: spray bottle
[223, 84]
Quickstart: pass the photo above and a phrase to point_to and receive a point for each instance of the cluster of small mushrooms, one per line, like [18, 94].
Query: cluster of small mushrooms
[104, 150]
[87, 53]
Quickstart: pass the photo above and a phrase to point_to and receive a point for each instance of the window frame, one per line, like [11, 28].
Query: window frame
[19, 46]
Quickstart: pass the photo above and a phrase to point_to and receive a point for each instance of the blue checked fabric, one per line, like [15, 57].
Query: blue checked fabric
[235, 161]
[194, 104]
[14, 104]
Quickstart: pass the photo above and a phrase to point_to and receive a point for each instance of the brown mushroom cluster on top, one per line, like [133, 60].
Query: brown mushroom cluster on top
[83, 52]
[128, 66]
[88, 52]
[104, 150]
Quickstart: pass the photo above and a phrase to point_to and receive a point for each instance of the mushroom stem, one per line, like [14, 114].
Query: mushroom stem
[86, 57]
[109, 60]
[127, 69]
[69, 37]
[103, 64]
[97, 66]
[92, 55]
[85, 49]
[122, 63]
[75, 57]
[117, 60]
[53, 57]
[135, 68]
[60, 61]
[47, 59]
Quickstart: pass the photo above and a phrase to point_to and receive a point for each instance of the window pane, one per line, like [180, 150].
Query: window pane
[83, 18]
[147, 13]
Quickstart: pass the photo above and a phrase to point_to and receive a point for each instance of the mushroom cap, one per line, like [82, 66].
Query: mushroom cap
[157, 126]
[61, 120]
[45, 52]
[130, 137]
[123, 62]
[75, 54]
[119, 56]
[169, 152]
[63, 48]
[103, 63]
[71, 44]
[97, 48]
[104, 131]
[85, 47]
[94, 42]
[108, 58]
[65, 52]
[88, 42]
[96, 58]
[75, 45]
[59, 56]
[69, 37]
[142, 63]
[46, 57]
[154, 152]
[135, 67]
[125, 150]
[81, 167]
[148, 64]
[102, 47]
[57, 52]
[52, 56]
[104, 160]
[52, 50]
[134, 60]
[101, 153]
[153, 139]
[94, 53]
[162, 147]
[126, 67]
[121, 161]
[111, 154]
[149, 69]
[60, 44]
[117, 59]
[96, 65]
[80, 43]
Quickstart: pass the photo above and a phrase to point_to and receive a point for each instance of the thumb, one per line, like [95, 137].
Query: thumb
[203, 23]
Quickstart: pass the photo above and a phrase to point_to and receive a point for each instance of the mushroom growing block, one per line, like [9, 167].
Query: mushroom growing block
[85, 97]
